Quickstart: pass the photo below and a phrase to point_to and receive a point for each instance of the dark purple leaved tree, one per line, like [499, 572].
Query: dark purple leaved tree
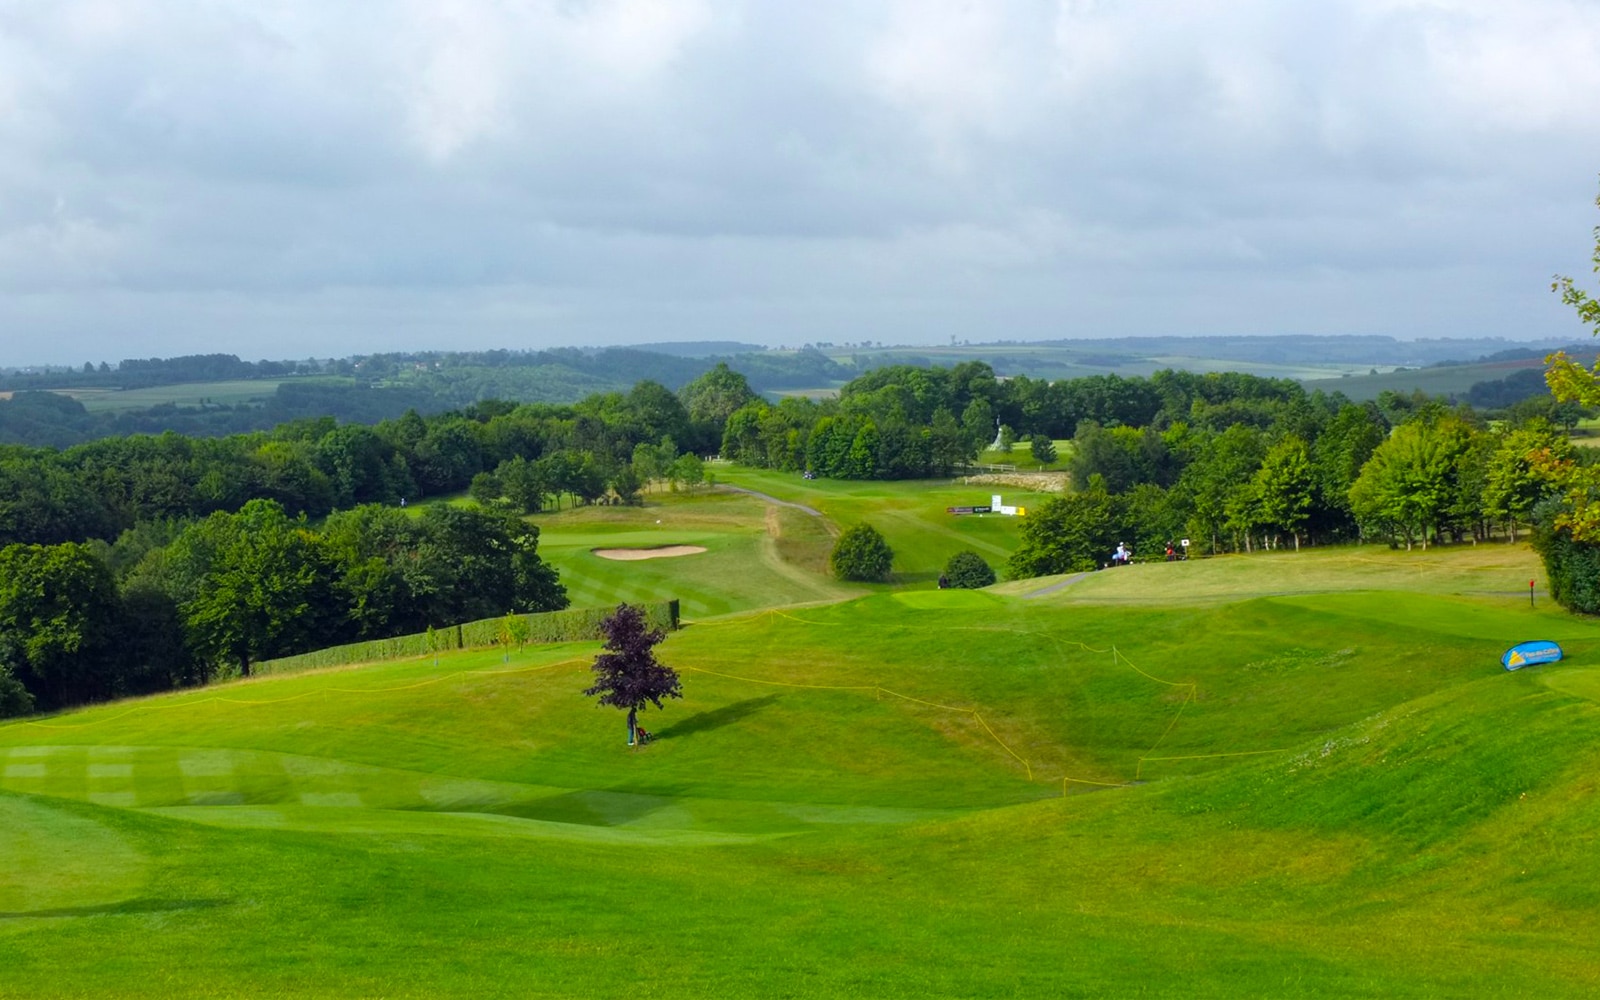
[627, 673]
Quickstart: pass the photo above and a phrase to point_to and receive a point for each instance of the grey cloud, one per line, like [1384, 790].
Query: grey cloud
[357, 176]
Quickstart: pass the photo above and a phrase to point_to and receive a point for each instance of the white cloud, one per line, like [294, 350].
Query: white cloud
[600, 168]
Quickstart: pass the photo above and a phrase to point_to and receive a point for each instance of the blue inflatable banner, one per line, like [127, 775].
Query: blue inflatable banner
[1526, 654]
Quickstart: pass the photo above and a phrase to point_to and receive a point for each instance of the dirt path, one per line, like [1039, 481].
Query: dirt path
[819, 589]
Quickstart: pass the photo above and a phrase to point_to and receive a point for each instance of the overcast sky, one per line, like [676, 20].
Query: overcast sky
[293, 178]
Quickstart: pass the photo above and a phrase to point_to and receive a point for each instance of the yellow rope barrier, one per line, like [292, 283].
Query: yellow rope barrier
[1086, 781]
[1235, 753]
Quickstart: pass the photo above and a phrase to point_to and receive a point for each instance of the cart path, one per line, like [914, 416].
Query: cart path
[1058, 585]
[769, 498]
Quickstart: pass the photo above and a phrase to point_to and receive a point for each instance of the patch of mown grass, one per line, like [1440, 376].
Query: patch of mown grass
[863, 798]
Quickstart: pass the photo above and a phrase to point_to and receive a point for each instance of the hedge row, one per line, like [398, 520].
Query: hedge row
[572, 625]
[1572, 568]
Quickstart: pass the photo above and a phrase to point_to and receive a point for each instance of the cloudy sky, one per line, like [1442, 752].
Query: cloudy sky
[292, 178]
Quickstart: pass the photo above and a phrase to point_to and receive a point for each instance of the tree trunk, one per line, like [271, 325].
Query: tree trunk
[244, 665]
[633, 722]
[1297, 541]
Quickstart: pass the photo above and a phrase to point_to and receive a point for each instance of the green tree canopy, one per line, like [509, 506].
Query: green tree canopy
[1042, 448]
[252, 584]
[713, 397]
[1068, 534]
[966, 569]
[861, 554]
[1284, 486]
[1409, 486]
[627, 673]
[1569, 380]
[59, 613]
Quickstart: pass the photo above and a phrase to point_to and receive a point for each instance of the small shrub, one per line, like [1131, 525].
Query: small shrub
[14, 698]
[1042, 448]
[861, 554]
[968, 570]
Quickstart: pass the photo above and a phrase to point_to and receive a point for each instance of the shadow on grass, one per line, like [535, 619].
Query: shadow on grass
[126, 906]
[586, 807]
[727, 715]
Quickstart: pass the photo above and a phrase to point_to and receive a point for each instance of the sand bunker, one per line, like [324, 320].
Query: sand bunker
[659, 552]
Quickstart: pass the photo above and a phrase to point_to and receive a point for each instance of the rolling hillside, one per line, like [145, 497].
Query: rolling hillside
[1212, 778]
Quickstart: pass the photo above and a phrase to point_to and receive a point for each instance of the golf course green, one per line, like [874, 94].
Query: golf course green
[1274, 775]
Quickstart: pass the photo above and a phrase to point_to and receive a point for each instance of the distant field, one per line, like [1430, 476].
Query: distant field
[1331, 792]
[1058, 362]
[229, 393]
[1455, 379]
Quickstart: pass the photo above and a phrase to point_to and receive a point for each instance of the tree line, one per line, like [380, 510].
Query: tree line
[171, 604]
[1318, 475]
[102, 488]
[364, 389]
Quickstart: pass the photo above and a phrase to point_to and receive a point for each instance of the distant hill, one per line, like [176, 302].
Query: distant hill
[699, 348]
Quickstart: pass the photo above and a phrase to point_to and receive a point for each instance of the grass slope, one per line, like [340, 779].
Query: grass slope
[1318, 794]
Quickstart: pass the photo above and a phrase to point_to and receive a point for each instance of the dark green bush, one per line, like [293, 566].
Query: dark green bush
[1573, 569]
[968, 570]
[861, 554]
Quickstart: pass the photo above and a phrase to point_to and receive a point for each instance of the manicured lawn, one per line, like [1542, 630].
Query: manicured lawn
[757, 555]
[1272, 790]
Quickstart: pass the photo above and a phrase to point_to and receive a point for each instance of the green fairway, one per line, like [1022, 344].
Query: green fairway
[757, 554]
[911, 515]
[762, 554]
[1271, 789]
